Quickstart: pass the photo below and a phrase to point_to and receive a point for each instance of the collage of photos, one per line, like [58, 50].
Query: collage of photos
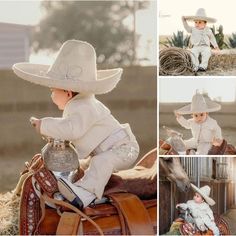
[197, 125]
[78, 117]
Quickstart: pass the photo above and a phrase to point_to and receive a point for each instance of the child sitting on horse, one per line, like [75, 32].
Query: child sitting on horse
[205, 130]
[74, 80]
[201, 39]
[199, 209]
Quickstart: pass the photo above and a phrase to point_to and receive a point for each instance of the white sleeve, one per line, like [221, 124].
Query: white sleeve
[70, 128]
[184, 123]
[212, 39]
[217, 130]
[183, 206]
[210, 213]
[186, 25]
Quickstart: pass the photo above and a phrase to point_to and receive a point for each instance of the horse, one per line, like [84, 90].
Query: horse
[171, 168]
[129, 205]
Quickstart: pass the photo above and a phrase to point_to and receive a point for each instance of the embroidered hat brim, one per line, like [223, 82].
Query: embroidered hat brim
[209, 107]
[208, 199]
[74, 68]
[201, 15]
[203, 18]
[105, 81]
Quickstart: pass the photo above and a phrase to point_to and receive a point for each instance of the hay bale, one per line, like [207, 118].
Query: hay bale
[225, 59]
[9, 211]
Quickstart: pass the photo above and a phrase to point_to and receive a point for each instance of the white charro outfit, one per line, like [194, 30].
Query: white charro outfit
[201, 212]
[202, 133]
[92, 129]
[200, 39]
[85, 120]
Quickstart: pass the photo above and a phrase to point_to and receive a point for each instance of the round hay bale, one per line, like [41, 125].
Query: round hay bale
[9, 212]
[225, 59]
[174, 61]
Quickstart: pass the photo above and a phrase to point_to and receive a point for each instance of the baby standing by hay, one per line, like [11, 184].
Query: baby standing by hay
[86, 122]
[199, 209]
[205, 130]
[201, 39]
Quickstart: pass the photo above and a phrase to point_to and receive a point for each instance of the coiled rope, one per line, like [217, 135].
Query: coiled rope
[175, 61]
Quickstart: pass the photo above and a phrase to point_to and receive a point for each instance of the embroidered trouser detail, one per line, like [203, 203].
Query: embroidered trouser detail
[103, 164]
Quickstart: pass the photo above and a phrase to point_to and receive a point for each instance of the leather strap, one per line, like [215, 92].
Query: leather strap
[47, 181]
[135, 214]
[71, 207]
[68, 224]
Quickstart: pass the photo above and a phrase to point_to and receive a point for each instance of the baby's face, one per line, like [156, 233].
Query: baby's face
[199, 117]
[200, 24]
[60, 97]
[198, 198]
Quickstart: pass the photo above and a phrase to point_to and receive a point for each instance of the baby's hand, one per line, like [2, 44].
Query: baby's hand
[216, 50]
[217, 141]
[177, 114]
[36, 123]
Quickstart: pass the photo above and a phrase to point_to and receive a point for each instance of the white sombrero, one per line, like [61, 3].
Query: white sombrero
[201, 15]
[205, 193]
[73, 69]
[199, 104]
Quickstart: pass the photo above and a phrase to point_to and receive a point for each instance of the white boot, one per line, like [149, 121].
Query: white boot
[76, 195]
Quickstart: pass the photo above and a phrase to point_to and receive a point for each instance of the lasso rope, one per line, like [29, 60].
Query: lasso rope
[175, 61]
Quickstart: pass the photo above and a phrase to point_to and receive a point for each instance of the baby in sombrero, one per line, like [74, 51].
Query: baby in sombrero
[205, 130]
[201, 38]
[102, 143]
[199, 209]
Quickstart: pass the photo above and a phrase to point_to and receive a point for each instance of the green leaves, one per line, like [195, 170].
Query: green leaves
[232, 40]
[98, 22]
[179, 40]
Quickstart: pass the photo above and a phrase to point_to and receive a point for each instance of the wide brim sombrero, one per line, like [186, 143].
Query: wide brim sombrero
[106, 80]
[199, 104]
[204, 192]
[201, 15]
[74, 69]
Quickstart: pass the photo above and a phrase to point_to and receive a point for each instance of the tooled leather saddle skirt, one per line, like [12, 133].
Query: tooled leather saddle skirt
[131, 205]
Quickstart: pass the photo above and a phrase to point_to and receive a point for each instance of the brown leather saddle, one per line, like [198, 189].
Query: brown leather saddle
[131, 206]
[187, 229]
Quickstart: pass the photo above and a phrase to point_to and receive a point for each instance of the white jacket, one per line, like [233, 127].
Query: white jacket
[85, 121]
[203, 133]
[200, 37]
[202, 214]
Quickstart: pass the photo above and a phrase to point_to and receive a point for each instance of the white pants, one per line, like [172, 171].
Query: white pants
[206, 223]
[205, 53]
[102, 165]
[202, 148]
